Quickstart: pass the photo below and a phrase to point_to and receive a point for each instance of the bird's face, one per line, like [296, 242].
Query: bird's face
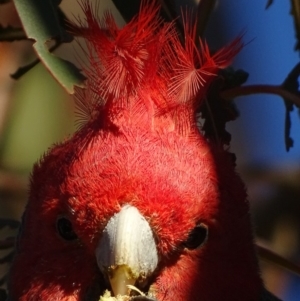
[137, 196]
[85, 216]
[133, 209]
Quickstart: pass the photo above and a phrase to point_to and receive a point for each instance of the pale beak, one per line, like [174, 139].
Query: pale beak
[127, 251]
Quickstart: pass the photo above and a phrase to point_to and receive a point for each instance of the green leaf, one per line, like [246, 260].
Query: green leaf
[296, 15]
[167, 11]
[41, 22]
[291, 84]
[65, 72]
[127, 11]
[216, 111]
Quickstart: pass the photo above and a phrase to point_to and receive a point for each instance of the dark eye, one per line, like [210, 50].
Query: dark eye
[65, 229]
[197, 237]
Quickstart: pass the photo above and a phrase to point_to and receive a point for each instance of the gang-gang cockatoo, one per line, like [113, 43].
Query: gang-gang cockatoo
[137, 196]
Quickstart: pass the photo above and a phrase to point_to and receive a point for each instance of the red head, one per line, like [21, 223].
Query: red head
[138, 174]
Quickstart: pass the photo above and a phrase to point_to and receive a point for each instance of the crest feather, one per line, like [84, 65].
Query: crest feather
[144, 69]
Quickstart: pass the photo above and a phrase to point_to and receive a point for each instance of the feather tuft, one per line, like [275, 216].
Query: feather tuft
[144, 70]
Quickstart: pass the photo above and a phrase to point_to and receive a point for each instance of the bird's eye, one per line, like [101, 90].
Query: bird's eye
[65, 229]
[197, 237]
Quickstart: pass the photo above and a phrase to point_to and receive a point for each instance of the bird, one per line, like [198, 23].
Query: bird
[138, 204]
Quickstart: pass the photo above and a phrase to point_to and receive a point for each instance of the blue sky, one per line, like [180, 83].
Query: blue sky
[258, 134]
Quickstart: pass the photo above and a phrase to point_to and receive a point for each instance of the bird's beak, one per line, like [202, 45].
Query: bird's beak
[127, 251]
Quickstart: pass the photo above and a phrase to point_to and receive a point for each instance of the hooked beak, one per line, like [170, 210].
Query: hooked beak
[127, 251]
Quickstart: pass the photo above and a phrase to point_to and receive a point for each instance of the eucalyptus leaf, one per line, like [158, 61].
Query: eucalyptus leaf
[291, 84]
[296, 16]
[41, 22]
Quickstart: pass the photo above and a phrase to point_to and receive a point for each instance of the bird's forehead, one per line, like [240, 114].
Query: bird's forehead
[142, 161]
[156, 175]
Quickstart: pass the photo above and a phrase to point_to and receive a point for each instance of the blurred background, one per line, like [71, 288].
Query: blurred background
[36, 112]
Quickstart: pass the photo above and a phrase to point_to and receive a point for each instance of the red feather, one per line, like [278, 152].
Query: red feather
[144, 69]
[140, 147]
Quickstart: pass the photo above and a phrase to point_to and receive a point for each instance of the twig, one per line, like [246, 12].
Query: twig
[270, 256]
[260, 89]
